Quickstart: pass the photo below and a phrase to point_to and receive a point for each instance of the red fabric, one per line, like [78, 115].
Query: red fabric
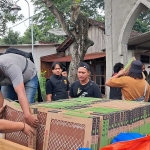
[137, 144]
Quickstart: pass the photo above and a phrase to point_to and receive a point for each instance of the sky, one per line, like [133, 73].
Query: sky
[24, 11]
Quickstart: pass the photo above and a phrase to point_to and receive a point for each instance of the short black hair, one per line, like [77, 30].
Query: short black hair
[118, 67]
[56, 63]
[84, 65]
[64, 69]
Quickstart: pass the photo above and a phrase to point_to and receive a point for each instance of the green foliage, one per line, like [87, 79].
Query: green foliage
[91, 7]
[141, 26]
[143, 21]
[100, 18]
[11, 38]
[39, 35]
[42, 81]
[5, 15]
[46, 21]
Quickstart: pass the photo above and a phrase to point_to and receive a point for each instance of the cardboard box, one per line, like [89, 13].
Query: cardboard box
[13, 112]
[86, 122]
[71, 132]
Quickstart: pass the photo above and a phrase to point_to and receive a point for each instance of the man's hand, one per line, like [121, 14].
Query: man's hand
[28, 130]
[1, 112]
[31, 120]
[121, 73]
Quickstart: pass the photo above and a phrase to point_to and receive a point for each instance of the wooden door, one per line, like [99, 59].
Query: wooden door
[98, 75]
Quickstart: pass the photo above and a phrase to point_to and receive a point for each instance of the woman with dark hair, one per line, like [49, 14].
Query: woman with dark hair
[133, 86]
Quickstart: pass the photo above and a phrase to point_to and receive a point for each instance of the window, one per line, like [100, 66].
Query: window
[144, 59]
[98, 73]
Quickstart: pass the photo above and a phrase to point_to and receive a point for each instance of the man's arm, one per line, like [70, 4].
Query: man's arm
[120, 73]
[71, 95]
[147, 96]
[49, 97]
[1, 105]
[30, 119]
[1, 100]
[49, 90]
[7, 126]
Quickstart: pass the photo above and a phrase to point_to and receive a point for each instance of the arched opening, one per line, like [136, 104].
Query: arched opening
[125, 33]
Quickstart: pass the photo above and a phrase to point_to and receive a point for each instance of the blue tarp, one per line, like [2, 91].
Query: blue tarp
[125, 136]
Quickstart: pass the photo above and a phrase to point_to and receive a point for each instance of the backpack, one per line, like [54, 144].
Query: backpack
[26, 55]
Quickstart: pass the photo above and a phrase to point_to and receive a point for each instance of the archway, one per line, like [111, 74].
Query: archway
[140, 6]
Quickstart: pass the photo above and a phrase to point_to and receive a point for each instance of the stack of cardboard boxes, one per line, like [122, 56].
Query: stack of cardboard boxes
[82, 122]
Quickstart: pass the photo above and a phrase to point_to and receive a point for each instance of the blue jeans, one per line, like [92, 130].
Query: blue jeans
[30, 88]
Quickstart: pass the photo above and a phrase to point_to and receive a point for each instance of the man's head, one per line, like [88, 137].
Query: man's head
[64, 72]
[135, 70]
[57, 68]
[83, 71]
[118, 67]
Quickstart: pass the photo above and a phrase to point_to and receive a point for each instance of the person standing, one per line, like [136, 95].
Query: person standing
[57, 86]
[84, 87]
[115, 93]
[133, 86]
[145, 72]
[18, 81]
[64, 72]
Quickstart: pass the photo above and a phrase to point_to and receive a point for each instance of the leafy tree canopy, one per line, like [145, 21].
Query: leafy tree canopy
[11, 37]
[142, 22]
[6, 16]
[46, 21]
[39, 35]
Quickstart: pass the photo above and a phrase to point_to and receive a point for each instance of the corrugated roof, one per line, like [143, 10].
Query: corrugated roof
[100, 24]
[55, 58]
[26, 45]
[63, 46]
[57, 31]
[140, 39]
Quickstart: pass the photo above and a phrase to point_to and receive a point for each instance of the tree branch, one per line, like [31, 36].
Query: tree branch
[59, 15]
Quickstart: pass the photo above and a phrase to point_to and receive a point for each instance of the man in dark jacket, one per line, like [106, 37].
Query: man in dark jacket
[115, 93]
[57, 86]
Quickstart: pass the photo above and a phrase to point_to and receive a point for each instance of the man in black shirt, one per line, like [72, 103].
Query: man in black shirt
[115, 93]
[57, 86]
[84, 87]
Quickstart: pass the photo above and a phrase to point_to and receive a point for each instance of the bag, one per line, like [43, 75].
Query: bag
[85, 89]
[26, 55]
[19, 52]
[142, 98]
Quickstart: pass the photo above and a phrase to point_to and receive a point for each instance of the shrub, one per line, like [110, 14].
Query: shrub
[42, 82]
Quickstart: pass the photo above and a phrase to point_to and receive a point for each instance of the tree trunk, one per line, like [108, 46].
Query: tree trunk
[81, 41]
[77, 29]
